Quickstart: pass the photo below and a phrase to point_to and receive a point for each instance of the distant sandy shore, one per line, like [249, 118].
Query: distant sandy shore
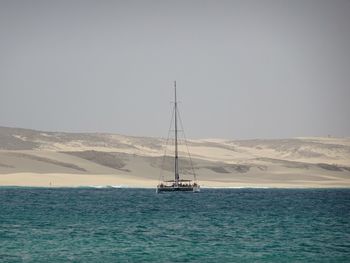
[44, 159]
[90, 180]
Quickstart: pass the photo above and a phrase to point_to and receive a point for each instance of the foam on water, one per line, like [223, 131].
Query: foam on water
[108, 186]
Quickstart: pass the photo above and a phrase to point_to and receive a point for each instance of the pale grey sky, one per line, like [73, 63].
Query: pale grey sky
[245, 69]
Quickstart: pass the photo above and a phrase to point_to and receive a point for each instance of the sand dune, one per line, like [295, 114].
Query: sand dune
[36, 158]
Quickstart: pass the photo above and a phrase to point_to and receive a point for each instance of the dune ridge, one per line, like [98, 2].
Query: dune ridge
[41, 158]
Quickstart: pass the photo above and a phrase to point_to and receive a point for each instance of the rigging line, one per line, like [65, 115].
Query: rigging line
[181, 167]
[185, 167]
[161, 176]
[189, 154]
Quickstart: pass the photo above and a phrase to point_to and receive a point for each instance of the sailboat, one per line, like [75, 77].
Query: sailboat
[178, 184]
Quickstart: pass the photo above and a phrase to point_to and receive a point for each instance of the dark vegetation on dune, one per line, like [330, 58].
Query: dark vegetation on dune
[167, 164]
[109, 159]
[302, 165]
[239, 168]
[333, 167]
[6, 165]
[9, 139]
[46, 160]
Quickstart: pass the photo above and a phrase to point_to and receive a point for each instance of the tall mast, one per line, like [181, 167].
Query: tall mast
[176, 152]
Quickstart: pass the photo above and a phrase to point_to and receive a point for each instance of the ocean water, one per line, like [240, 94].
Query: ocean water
[138, 225]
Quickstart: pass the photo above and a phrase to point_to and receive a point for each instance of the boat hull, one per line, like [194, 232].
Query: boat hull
[194, 189]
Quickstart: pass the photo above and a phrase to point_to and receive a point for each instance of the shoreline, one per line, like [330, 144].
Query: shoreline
[9, 187]
[150, 188]
[65, 180]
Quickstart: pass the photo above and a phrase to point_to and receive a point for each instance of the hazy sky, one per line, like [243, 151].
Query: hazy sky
[245, 69]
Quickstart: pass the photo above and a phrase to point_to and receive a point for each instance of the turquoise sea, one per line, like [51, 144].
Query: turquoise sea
[138, 225]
